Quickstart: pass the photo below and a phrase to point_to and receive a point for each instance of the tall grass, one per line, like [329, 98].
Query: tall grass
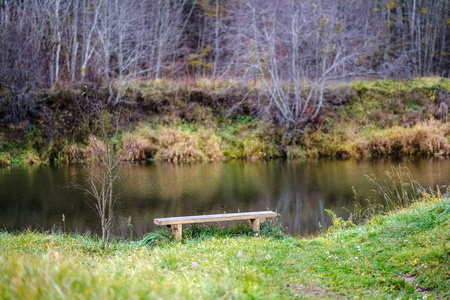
[31, 157]
[5, 160]
[429, 138]
[178, 146]
[424, 139]
[72, 154]
[399, 190]
[193, 143]
[139, 148]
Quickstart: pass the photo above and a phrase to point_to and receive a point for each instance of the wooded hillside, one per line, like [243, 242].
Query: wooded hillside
[293, 48]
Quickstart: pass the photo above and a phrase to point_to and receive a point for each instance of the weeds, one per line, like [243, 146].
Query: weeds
[179, 146]
[361, 213]
[72, 154]
[399, 190]
[423, 139]
[338, 223]
[157, 238]
[195, 143]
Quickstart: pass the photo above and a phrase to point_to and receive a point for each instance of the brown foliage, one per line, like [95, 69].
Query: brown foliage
[72, 153]
[178, 146]
[95, 150]
[424, 139]
[32, 158]
[137, 148]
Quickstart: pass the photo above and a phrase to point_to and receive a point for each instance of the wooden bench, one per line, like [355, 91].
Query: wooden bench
[176, 223]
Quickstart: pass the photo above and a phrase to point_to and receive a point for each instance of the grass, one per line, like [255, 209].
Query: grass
[189, 121]
[401, 255]
[195, 142]
[244, 138]
[384, 118]
[4, 160]
[424, 139]
[400, 189]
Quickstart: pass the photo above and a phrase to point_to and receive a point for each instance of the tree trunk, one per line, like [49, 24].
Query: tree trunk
[74, 52]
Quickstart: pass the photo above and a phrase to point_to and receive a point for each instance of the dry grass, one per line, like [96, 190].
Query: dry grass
[95, 149]
[195, 143]
[430, 138]
[172, 144]
[427, 138]
[72, 153]
[32, 158]
[210, 144]
[137, 148]
[295, 152]
[254, 149]
[178, 146]
[5, 160]
[187, 83]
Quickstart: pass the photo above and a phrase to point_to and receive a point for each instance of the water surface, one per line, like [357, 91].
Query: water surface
[37, 197]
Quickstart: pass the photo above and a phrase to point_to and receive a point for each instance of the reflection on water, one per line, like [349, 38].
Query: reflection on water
[299, 191]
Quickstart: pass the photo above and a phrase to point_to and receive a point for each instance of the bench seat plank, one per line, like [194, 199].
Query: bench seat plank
[215, 218]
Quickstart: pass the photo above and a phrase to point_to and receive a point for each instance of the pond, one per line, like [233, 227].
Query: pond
[300, 191]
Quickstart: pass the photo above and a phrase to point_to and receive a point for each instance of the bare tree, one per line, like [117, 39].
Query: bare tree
[166, 34]
[22, 69]
[294, 48]
[414, 37]
[75, 43]
[103, 160]
[89, 13]
[128, 46]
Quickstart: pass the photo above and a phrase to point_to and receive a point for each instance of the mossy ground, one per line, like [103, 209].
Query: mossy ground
[402, 255]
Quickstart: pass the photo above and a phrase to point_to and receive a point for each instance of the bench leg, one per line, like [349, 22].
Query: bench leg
[177, 231]
[255, 224]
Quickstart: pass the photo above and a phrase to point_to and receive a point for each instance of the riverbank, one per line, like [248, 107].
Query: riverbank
[202, 121]
[401, 255]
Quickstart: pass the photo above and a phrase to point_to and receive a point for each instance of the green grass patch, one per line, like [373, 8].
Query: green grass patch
[402, 255]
